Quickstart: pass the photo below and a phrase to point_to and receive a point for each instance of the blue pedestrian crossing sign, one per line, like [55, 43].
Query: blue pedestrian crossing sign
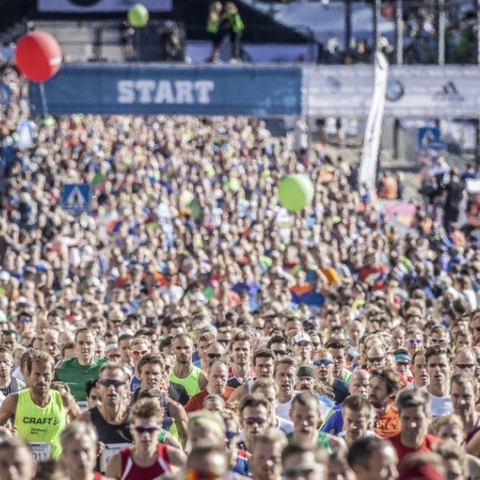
[429, 138]
[76, 198]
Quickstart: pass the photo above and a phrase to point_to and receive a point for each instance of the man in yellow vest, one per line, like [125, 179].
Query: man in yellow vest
[39, 413]
[184, 371]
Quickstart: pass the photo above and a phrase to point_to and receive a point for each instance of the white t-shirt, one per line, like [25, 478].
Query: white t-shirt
[283, 409]
[440, 405]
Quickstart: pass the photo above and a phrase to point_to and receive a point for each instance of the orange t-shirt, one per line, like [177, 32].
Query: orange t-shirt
[196, 402]
[388, 423]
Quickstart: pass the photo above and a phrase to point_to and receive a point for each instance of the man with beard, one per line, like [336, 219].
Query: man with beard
[414, 410]
[76, 371]
[384, 386]
[359, 385]
[241, 370]
[110, 419]
[217, 385]
[323, 364]
[306, 382]
[39, 405]
[266, 460]
[284, 375]
[184, 371]
[8, 384]
[147, 458]
[438, 366]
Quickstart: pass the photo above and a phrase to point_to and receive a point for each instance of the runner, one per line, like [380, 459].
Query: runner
[184, 371]
[79, 452]
[16, 460]
[8, 384]
[217, 385]
[147, 459]
[75, 372]
[39, 413]
[110, 420]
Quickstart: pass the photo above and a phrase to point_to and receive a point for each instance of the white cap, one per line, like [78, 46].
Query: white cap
[302, 337]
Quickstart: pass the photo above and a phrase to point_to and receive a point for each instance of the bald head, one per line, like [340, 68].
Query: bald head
[358, 384]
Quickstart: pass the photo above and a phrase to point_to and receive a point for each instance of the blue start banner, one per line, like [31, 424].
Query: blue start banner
[171, 89]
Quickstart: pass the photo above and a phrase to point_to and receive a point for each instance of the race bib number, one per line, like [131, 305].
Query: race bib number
[83, 406]
[108, 452]
[40, 450]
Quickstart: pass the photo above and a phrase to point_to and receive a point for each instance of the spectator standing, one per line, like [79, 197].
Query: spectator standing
[235, 29]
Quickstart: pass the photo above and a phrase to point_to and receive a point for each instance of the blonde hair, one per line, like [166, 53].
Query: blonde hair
[452, 419]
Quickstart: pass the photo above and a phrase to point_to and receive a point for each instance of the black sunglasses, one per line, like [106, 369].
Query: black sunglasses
[150, 430]
[211, 356]
[107, 382]
[464, 366]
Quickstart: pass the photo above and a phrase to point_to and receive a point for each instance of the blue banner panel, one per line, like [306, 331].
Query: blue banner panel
[171, 89]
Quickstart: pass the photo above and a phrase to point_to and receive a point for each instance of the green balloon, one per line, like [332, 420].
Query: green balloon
[295, 192]
[138, 16]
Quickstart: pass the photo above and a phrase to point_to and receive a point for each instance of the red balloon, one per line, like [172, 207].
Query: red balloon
[38, 56]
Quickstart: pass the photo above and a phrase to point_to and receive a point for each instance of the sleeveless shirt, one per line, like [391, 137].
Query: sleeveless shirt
[41, 424]
[109, 433]
[131, 471]
[190, 383]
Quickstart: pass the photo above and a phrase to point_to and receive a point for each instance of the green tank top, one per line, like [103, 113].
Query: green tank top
[41, 425]
[162, 436]
[190, 383]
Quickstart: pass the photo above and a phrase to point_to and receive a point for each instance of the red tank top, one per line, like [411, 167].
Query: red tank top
[131, 471]
[97, 475]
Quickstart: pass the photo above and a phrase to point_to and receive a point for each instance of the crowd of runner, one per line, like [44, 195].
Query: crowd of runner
[191, 328]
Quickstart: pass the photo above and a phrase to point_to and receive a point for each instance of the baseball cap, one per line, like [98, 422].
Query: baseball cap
[302, 337]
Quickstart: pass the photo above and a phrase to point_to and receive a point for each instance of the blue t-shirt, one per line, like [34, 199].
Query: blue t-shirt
[334, 424]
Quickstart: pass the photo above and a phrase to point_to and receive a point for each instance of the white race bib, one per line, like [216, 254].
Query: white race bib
[83, 406]
[108, 452]
[40, 450]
